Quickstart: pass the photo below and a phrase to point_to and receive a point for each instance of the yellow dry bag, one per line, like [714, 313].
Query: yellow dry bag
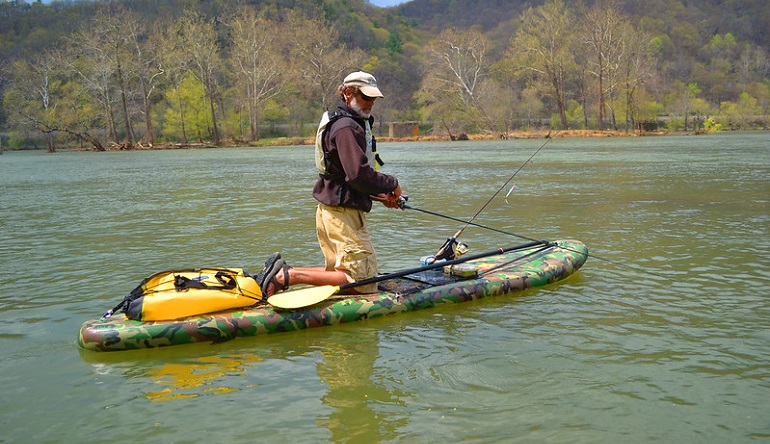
[178, 294]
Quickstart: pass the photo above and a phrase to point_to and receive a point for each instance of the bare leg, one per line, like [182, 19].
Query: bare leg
[311, 276]
[315, 276]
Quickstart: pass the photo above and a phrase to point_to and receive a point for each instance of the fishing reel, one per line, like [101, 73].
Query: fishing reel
[449, 251]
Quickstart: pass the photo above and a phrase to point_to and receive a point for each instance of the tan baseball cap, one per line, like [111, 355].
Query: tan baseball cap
[365, 82]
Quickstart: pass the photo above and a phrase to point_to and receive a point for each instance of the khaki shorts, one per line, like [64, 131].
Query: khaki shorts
[346, 245]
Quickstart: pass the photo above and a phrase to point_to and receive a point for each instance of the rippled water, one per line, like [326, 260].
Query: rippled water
[664, 335]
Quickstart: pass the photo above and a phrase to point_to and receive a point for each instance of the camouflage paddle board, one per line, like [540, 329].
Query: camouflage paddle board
[499, 275]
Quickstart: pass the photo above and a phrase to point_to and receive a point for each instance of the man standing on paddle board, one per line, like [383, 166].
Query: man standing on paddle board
[348, 182]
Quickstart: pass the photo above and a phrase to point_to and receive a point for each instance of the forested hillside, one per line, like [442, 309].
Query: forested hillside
[748, 20]
[100, 74]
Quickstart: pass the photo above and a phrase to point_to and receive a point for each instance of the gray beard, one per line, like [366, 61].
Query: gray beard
[355, 106]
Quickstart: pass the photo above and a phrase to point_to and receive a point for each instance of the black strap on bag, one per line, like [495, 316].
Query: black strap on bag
[136, 293]
[181, 283]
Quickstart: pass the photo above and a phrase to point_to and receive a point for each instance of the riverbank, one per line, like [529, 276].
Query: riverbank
[288, 141]
[540, 134]
[291, 141]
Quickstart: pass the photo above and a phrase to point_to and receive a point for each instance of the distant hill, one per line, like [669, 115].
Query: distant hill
[436, 15]
[748, 20]
[722, 47]
[26, 28]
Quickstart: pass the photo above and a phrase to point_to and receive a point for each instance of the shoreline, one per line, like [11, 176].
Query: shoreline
[290, 141]
[302, 141]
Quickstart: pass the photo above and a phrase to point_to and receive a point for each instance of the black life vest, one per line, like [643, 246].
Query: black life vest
[321, 154]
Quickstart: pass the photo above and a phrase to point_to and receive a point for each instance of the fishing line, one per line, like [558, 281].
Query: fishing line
[508, 233]
[502, 187]
[445, 250]
[409, 207]
[449, 243]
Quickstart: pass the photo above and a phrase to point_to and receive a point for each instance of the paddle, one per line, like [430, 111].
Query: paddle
[312, 295]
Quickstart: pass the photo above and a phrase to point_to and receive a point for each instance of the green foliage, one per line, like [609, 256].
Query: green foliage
[187, 112]
[21, 139]
[747, 105]
[575, 114]
[693, 90]
[711, 125]
[722, 43]
[700, 107]
[274, 115]
[275, 112]
[647, 108]
[235, 123]
[741, 113]
[394, 43]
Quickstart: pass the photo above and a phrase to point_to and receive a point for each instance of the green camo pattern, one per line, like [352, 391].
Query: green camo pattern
[499, 275]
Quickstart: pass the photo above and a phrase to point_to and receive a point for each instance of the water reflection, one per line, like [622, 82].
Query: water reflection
[343, 361]
[191, 372]
[348, 370]
[203, 376]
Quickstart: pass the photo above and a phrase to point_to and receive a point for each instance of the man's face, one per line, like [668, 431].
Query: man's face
[362, 104]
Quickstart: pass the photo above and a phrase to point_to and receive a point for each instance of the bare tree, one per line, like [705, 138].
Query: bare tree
[175, 66]
[89, 68]
[603, 35]
[544, 45]
[256, 60]
[42, 98]
[319, 61]
[107, 43]
[148, 71]
[198, 42]
[455, 74]
[30, 99]
[636, 69]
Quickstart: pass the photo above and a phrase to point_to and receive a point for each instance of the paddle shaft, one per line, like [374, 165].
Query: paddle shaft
[441, 264]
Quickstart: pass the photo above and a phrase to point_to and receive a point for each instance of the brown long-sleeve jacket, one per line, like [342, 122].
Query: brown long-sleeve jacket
[349, 179]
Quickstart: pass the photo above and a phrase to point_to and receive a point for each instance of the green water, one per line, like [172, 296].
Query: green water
[613, 354]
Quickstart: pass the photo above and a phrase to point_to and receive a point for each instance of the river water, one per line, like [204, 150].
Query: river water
[664, 334]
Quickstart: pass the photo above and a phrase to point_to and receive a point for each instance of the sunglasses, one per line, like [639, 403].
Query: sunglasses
[365, 97]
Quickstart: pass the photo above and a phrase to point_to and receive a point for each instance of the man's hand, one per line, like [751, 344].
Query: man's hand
[390, 200]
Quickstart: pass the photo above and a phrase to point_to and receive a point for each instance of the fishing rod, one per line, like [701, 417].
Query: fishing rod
[446, 250]
[306, 296]
[610, 261]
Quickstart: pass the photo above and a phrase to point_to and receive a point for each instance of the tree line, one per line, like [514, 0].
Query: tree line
[228, 76]
[591, 67]
[118, 81]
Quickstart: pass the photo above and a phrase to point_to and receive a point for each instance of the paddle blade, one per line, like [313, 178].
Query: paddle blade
[303, 297]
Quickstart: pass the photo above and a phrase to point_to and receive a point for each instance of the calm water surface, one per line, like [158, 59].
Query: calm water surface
[615, 353]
